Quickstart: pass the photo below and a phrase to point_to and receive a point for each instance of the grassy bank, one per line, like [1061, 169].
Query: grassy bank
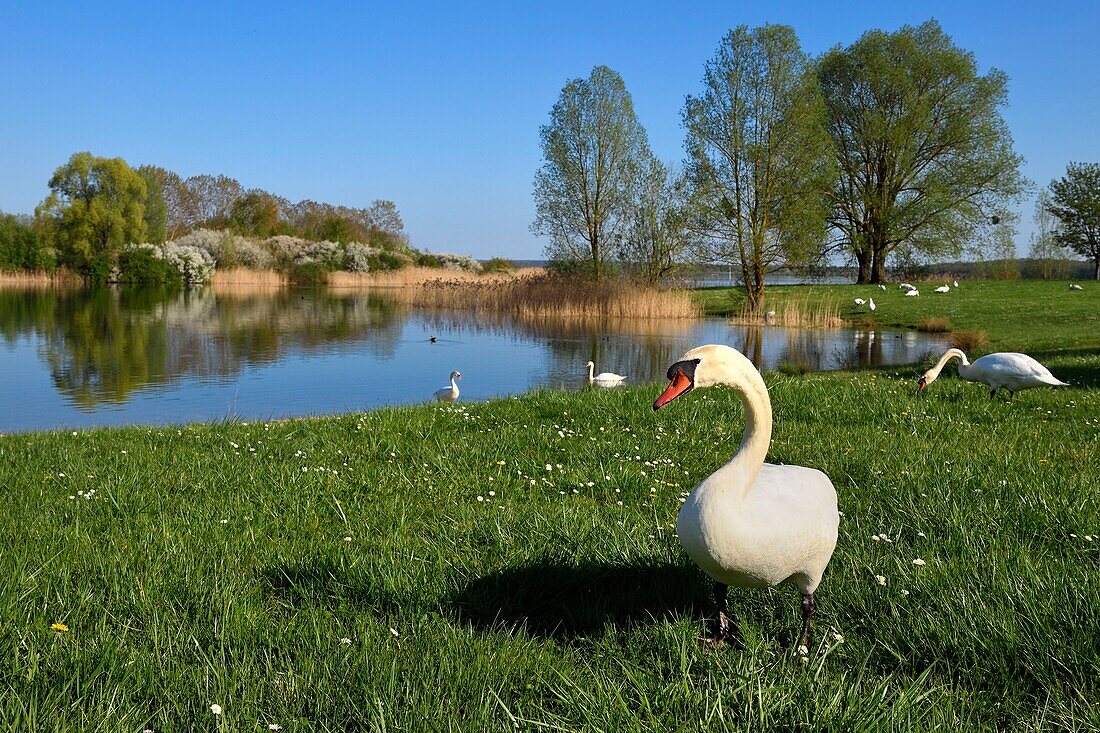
[1042, 316]
[511, 566]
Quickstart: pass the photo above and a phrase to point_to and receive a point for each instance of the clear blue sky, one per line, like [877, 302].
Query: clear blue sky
[437, 106]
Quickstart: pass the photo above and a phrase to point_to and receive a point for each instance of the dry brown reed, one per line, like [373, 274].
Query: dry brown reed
[796, 312]
[245, 276]
[532, 297]
[935, 325]
[969, 340]
[38, 279]
[416, 276]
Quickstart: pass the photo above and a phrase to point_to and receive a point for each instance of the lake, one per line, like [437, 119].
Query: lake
[78, 358]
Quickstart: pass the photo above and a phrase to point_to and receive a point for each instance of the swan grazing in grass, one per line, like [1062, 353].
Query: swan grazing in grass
[860, 301]
[943, 289]
[449, 394]
[603, 379]
[752, 524]
[1011, 371]
[1074, 286]
[912, 293]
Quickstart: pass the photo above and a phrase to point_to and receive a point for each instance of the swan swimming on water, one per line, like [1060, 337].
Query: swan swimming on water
[752, 524]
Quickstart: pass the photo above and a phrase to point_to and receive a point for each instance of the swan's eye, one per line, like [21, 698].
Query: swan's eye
[687, 367]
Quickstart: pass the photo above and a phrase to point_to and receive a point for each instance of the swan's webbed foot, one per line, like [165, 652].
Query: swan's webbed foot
[808, 609]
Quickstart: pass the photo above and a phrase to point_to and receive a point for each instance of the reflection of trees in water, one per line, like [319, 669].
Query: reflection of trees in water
[102, 345]
[638, 348]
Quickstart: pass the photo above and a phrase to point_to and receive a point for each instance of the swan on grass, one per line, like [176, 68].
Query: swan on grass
[871, 303]
[1008, 370]
[449, 394]
[1075, 286]
[751, 524]
[943, 289]
[603, 379]
[913, 293]
[860, 301]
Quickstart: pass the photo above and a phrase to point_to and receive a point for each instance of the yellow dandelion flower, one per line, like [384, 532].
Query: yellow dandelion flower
[59, 627]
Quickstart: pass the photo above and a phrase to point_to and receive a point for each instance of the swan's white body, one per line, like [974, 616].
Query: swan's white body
[943, 289]
[871, 303]
[1008, 370]
[914, 292]
[1074, 286]
[906, 286]
[752, 524]
[881, 287]
[449, 394]
[860, 301]
[603, 379]
[956, 283]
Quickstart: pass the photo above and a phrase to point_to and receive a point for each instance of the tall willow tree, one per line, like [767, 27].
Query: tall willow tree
[925, 157]
[592, 148]
[758, 159]
[1075, 200]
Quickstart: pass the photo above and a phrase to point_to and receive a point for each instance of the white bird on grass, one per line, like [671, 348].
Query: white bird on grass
[906, 286]
[881, 287]
[914, 292]
[752, 524]
[449, 394]
[1074, 286]
[943, 289]
[1004, 369]
[860, 301]
[956, 283]
[871, 303]
[603, 379]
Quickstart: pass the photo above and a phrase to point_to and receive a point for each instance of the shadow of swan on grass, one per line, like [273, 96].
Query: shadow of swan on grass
[567, 601]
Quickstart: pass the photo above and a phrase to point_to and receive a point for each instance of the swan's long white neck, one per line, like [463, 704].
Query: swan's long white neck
[591, 371]
[454, 387]
[739, 474]
[948, 355]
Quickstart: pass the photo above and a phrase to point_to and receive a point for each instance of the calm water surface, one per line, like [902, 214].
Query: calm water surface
[118, 357]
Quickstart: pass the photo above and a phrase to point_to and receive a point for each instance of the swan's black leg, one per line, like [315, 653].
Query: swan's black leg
[722, 624]
[807, 614]
[992, 393]
[1011, 394]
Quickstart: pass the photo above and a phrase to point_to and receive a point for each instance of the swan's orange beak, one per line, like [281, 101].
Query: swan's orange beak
[678, 386]
[921, 384]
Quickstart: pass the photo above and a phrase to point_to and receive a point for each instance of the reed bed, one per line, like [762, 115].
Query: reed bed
[532, 297]
[247, 276]
[795, 312]
[969, 340]
[38, 279]
[935, 325]
[419, 276]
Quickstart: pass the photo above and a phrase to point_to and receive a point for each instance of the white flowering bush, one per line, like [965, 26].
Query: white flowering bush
[285, 248]
[358, 256]
[450, 261]
[211, 241]
[253, 254]
[195, 265]
[329, 255]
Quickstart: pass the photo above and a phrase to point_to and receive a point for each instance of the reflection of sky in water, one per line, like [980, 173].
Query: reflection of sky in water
[210, 358]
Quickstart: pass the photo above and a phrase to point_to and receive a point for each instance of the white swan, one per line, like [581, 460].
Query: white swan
[860, 301]
[881, 287]
[1074, 286]
[449, 394]
[956, 283]
[912, 293]
[871, 303]
[753, 524]
[1009, 370]
[907, 286]
[603, 379]
[943, 289]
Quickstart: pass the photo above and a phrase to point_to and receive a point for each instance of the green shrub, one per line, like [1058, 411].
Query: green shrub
[308, 273]
[428, 260]
[22, 248]
[142, 265]
[497, 265]
[387, 261]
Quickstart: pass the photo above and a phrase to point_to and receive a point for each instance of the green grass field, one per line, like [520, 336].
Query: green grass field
[512, 566]
[1041, 317]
